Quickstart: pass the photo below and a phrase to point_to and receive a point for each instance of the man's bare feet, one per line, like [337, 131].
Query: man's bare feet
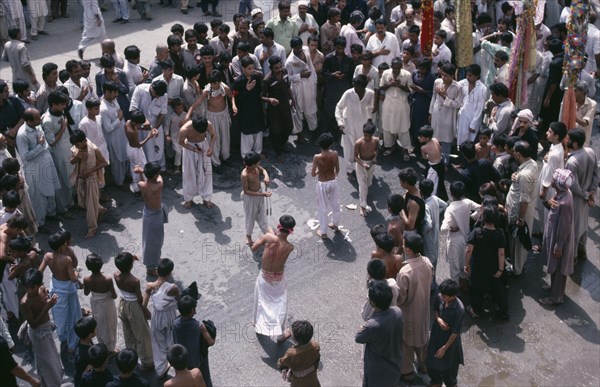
[362, 212]
[207, 203]
[286, 335]
[249, 241]
[322, 236]
[188, 205]
[90, 234]
[102, 212]
[333, 227]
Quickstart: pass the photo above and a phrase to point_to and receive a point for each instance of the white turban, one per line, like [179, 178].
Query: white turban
[527, 114]
[303, 2]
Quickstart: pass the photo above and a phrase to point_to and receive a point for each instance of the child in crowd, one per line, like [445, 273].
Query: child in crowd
[86, 331]
[126, 362]
[377, 229]
[377, 271]
[172, 125]
[385, 248]
[99, 375]
[178, 359]
[252, 195]
[365, 159]
[483, 148]
[300, 363]
[326, 166]
[431, 150]
[434, 207]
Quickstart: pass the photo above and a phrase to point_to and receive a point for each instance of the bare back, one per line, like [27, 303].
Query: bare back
[432, 151]
[132, 135]
[326, 165]
[60, 265]
[396, 230]
[152, 193]
[186, 378]
[277, 250]
[98, 283]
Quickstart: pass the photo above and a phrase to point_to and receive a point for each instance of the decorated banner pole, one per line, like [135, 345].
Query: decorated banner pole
[427, 28]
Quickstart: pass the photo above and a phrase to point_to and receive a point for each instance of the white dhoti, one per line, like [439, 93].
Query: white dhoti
[197, 176]
[349, 138]
[10, 299]
[270, 303]
[161, 331]
[365, 178]
[328, 200]
[389, 139]
[136, 156]
[104, 311]
[455, 255]
[47, 359]
[251, 142]
[221, 122]
[433, 176]
[255, 211]
[154, 149]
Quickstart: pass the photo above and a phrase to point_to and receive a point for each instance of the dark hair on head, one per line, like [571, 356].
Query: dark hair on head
[523, 148]
[333, 12]
[449, 9]
[414, 29]
[71, 65]
[408, 176]
[107, 61]
[224, 57]
[85, 64]
[246, 61]
[174, 40]
[151, 169]
[126, 360]
[63, 75]
[283, 4]
[426, 131]
[485, 131]
[11, 166]
[159, 87]
[483, 18]
[274, 60]
[376, 269]
[312, 38]
[94, 263]
[457, 190]
[268, 33]
[77, 136]
[85, 326]
[3, 85]
[177, 101]
[295, 42]
[357, 48]
[165, 267]
[200, 28]
[561, 28]
[356, 17]
[426, 188]
[18, 221]
[124, 262]
[14, 32]
[166, 64]
[377, 229]
[256, 24]
[360, 80]
[207, 50]
[559, 129]
[489, 200]
[467, 149]
[192, 71]
[555, 46]
[380, 294]
[441, 34]
[11, 199]
[368, 55]
[383, 66]
[10, 182]
[237, 16]
[511, 141]
[98, 355]
[57, 98]
[178, 356]
[507, 39]
[449, 69]
[62, 89]
[577, 136]
[424, 63]
[374, 13]
[92, 103]
[488, 189]
[339, 41]
[474, 69]
[381, 21]
[177, 28]
[369, 128]
[499, 89]
[413, 241]
[395, 203]
[186, 305]
[20, 243]
[190, 33]
[215, 23]
[302, 331]
[287, 222]
[224, 28]
[502, 56]
[384, 241]
[215, 76]
[131, 52]
[490, 215]
[138, 117]
[33, 277]
[57, 240]
[499, 140]
[325, 140]
[200, 124]
[410, 50]
[251, 158]
[244, 46]
[20, 86]
[110, 85]
[448, 287]
[506, 7]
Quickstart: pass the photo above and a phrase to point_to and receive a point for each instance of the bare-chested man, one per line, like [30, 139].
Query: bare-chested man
[154, 215]
[9, 231]
[395, 224]
[196, 160]
[252, 195]
[431, 150]
[135, 151]
[65, 284]
[270, 292]
[178, 359]
[35, 305]
[385, 249]
[326, 165]
[365, 158]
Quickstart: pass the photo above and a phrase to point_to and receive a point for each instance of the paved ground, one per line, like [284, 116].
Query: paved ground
[537, 346]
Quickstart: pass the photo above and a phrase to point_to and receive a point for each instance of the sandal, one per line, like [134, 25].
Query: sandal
[472, 312]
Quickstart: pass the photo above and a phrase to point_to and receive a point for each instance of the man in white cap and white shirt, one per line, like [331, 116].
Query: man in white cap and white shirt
[307, 25]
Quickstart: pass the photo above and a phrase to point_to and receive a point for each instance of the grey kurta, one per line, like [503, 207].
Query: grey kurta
[61, 154]
[584, 165]
[113, 129]
[559, 235]
[414, 282]
[382, 335]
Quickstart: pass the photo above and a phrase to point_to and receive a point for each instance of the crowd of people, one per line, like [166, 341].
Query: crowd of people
[351, 73]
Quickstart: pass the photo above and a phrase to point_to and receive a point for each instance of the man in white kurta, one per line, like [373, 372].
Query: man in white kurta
[303, 80]
[520, 201]
[553, 160]
[174, 82]
[447, 100]
[395, 110]
[383, 45]
[38, 10]
[93, 132]
[307, 25]
[352, 112]
[93, 25]
[470, 115]
[113, 130]
[18, 17]
[152, 101]
[583, 162]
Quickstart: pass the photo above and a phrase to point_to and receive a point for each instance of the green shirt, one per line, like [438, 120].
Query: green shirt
[284, 31]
